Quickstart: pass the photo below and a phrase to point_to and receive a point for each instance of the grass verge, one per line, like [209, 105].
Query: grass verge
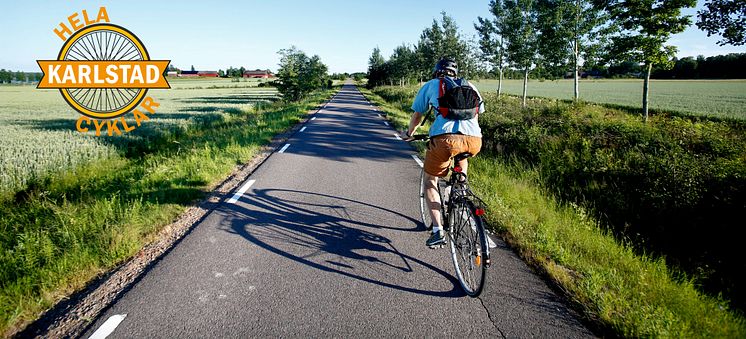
[624, 293]
[65, 229]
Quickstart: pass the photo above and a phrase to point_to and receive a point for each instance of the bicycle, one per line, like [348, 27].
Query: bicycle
[462, 215]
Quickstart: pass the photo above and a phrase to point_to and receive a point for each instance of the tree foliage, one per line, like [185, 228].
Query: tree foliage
[726, 18]
[299, 74]
[522, 36]
[492, 39]
[407, 63]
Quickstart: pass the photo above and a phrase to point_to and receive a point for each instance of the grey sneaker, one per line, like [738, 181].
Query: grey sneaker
[436, 239]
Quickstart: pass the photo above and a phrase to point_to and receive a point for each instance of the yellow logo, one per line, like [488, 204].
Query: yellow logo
[104, 72]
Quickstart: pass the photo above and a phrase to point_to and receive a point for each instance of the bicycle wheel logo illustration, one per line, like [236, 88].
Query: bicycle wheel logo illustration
[103, 42]
[103, 71]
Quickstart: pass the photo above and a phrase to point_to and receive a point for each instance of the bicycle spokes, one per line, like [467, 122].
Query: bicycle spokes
[467, 246]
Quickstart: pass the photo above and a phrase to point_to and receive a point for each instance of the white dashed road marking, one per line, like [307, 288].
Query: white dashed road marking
[385, 122]
[314, 118]
[397, 136]
[303, 129]
[241, 191]
[282, 150]
[417, 159]
[108, 326]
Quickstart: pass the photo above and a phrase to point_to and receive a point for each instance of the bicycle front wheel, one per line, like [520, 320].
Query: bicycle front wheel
[424, 209]
[468, 246]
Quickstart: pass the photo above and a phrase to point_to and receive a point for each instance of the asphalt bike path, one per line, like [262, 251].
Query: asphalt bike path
[324, 239]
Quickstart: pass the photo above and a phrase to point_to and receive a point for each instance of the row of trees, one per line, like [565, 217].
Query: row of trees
[8, 76]
[555, 34]
[300, 74]
[357, 76]
[415, 63]
[553, 37]
[731, 66]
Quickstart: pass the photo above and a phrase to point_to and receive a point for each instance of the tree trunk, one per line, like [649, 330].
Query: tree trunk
[525, 85]
[645, 90]
[575, 65]
[500, 82]
[576, 48]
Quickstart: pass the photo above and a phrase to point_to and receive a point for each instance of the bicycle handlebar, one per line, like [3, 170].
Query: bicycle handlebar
[417, 137]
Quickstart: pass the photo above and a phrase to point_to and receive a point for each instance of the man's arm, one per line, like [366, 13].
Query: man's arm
[419, 105]
[414, 122]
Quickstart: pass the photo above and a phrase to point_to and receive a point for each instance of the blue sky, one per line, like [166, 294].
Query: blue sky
[213, 35]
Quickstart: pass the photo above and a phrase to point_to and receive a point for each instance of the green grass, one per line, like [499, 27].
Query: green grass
[623, 292]
[66, 226]
[720, 98]
[37, 127]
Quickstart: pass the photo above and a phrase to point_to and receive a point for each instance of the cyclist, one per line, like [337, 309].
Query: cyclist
[448, 137]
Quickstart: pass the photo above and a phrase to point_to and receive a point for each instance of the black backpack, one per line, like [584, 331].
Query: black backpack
[457, 100]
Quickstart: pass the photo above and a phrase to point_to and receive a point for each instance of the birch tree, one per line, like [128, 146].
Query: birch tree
[646, 27]
[571, 31]
[521, 37]
[492, 39]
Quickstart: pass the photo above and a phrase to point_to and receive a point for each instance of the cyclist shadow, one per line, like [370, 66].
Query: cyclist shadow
[330, 234]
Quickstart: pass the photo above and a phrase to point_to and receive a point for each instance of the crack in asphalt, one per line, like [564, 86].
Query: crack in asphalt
[489, 316]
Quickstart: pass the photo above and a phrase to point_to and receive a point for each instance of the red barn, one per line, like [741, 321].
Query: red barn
[213, 74]
[258, 74]
[188, 74]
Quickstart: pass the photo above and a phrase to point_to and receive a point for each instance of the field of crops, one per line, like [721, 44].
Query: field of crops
[37, 127]
[722, 98]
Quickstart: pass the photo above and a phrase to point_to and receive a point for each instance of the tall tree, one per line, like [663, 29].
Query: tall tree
[570, 31]
[521, 37]
[376, 70]
[647, 25]
[726, 18]
[492, 39]
[441, 39]
[402, 64]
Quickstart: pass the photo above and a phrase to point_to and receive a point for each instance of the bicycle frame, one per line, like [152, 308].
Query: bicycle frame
[458, 181]
[459, 184]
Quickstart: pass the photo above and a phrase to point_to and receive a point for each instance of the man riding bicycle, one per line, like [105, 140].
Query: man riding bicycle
[457, 104]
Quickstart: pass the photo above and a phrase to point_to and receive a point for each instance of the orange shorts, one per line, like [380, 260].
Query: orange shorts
[443, 147]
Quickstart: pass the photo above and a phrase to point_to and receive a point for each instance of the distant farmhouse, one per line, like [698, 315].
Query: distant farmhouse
[258, 74]
[213, 74]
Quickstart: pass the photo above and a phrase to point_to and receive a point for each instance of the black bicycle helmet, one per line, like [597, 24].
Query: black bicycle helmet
[445, 66]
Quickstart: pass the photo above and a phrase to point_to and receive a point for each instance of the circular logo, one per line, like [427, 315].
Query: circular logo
[103, 42]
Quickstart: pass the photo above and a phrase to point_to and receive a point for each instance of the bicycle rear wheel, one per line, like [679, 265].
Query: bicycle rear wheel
[424, 210]
[468, 246]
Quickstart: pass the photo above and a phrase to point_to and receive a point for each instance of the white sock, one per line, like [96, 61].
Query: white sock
[436, 229]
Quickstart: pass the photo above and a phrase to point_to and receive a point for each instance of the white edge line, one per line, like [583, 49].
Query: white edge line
[397, 136]
[314, 118]
[385, 122]
[108, 326]
[417, 159]
[303, 129]
[379, 115]
[241, 191]
[282, 150]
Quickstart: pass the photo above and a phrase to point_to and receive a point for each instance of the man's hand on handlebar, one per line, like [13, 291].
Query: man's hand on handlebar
[416, 137]
[405, 136]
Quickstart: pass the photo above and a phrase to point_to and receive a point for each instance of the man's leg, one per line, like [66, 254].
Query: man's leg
[433, 200]
[464, 164]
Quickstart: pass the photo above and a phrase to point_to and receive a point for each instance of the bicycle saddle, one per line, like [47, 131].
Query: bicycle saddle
[462, 156]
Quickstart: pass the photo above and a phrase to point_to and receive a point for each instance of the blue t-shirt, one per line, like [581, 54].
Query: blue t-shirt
[428, 96]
